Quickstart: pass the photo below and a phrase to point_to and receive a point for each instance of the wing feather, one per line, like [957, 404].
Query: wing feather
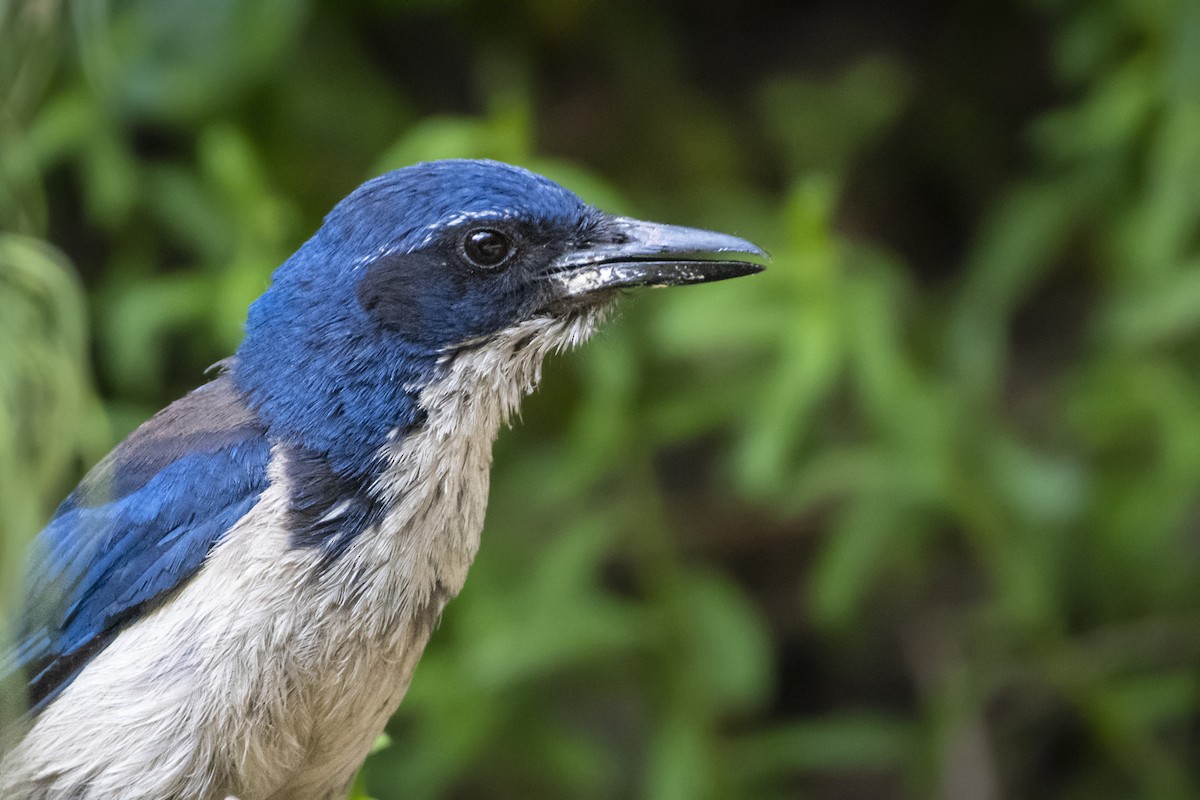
[137, 527]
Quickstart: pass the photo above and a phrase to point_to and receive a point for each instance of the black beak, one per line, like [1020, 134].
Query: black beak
[630, 252]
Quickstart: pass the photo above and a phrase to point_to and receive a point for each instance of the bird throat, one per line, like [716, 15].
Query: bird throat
[418, 530]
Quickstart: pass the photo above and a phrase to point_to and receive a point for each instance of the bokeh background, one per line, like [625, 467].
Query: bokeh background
[914, 514]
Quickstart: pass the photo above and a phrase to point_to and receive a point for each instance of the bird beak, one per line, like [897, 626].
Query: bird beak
[629, 252]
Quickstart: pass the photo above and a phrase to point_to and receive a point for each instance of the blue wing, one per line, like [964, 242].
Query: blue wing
[137, 527]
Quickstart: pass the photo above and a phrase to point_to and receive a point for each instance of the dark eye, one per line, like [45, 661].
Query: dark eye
[487, 248]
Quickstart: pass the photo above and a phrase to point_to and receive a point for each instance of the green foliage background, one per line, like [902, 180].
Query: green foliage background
[913, 514]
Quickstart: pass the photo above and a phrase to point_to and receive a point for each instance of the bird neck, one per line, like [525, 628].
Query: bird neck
[322, 377]
[352, 403]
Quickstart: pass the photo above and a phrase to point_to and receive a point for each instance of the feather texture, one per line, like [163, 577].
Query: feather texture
[139, 526]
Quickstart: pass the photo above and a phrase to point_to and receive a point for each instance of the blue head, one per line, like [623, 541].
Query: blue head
[425, 262]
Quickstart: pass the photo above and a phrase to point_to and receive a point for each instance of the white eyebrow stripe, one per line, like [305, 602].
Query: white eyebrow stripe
[382, 252]
[430, 232]
[457, 219]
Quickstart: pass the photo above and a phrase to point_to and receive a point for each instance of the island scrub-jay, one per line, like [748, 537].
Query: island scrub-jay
[233, 601]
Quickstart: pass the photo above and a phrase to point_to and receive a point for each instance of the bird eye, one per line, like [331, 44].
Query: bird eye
[487, 248]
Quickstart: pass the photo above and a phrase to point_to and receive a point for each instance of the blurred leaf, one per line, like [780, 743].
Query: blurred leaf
[180, 60]
[730, 653]
[50, 417]
[504, 136]
[825, 125]
[554, 617]
[844, 742]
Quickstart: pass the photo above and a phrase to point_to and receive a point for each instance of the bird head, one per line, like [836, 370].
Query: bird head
[423, 264]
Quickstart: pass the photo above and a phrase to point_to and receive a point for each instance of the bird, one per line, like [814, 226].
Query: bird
[233, 601]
